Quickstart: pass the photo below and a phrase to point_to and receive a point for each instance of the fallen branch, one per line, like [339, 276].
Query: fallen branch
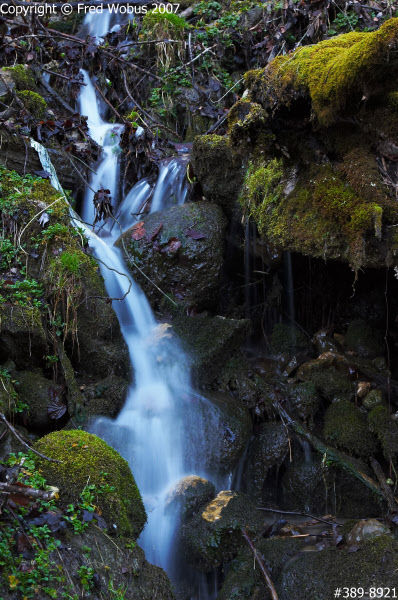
[301, 514]
[16, 434]
[122, 119]
[63, 77]
[339, 458]
[392, 502]
[53, 93]
[260, 563]
[131, 65]
[28, 492]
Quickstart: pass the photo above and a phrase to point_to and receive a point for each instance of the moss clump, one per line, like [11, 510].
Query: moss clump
[334, 74]
[322, 215]
[22, 77]
[345, 427]
[333, 385]
[364, 339]
[34, 103]
[289, 340]
[305, 399]
[380, 422]
[85, 457]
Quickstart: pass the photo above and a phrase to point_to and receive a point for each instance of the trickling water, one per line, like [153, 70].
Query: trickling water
[107, 136]
[171, 186]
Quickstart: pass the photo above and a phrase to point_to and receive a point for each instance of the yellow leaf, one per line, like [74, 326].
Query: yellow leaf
[13, 581]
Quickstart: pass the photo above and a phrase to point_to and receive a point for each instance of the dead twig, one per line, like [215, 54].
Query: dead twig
[392, 503]
[122, 119]
[16, 434]
[260, 563]
[28, 492]
[301, 514]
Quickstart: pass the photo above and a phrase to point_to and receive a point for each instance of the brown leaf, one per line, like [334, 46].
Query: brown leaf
[173, 245]
[195, 235]
[138, 234]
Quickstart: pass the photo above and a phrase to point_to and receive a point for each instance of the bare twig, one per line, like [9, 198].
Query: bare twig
[16, 434]
[392, 502]
[122, 119]
[260, 563]
[28, 492]
[301, 514]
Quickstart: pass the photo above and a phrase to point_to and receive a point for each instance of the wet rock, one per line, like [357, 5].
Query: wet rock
[181, 252]
[39, 393]
[319, 574]
[330, 374]
[365, 340]
[289, 341]
[346, 427]
[85, 457]
[22, 336]
[189, 495]
[214, 536]
[324, 343]
[225, 431]
[217, 169]
[363, 387]
[209, 342]
[305, 399]
[367, 529]
[268, 449]
[311, 486]
[105, 397]
[372, 399]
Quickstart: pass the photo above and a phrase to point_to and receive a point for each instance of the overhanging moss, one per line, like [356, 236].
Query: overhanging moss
[334, 74]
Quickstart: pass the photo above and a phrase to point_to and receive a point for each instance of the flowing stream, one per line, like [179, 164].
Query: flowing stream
[161, 431]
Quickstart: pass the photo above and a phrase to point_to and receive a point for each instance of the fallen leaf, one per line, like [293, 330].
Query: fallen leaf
[195, 235]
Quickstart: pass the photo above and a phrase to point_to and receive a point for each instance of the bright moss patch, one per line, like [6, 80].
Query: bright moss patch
[334, 74]
[33, 102]
[346, 427]
[22, 77]
[323, 215]
[85, 457]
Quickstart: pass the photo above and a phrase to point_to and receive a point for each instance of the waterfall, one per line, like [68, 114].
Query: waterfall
[159, 430]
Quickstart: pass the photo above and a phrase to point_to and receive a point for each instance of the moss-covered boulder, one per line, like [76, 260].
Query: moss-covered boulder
[209, 342]
[219, 171]
[330, 373]
[386, 430]
[364, 339]
[22, 335]
[180, 249]
[189, 495]
[39, 393]
[86, 458]
[305, 399]
[346, 427]
[289, 340]
[268, 449]
[214, 536]
[372, 399]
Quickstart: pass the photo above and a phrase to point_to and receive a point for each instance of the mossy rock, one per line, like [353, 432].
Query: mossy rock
[38, 393]
[319, 574]
[329, 373]
[34, 103]
[209, 342]
[346, 427]
[289, 340]
[268, 449]
[333, 75]
[105, 397]
[22, 77]
[372, 399]
[386, 430]
[22, 335]
[85, 457]
[214, 536]
[218, 170]
[189, 495]
[305, 399]
[364, 339]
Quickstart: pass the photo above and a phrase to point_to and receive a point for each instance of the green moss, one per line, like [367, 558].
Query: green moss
[289, 340]
[170, 20]
[380, 422]
[346, 427]
[84, 458]
[22, 77]
[334, 74]
[332, 384]
[34, 103]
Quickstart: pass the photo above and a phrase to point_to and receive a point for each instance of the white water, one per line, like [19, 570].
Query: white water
[148, 431]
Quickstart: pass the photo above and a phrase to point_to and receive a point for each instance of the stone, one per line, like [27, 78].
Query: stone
[346, 427]
[365, 340]
[367, 529]
[372, 399]
[363, 387]
[182, 253]
[189, 495]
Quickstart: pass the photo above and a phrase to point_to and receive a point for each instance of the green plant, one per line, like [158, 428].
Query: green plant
[86, 575]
